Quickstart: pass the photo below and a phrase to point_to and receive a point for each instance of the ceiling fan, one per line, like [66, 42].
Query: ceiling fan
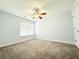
[38, 13]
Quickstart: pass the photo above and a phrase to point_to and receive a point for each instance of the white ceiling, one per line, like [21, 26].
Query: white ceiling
[24, 7]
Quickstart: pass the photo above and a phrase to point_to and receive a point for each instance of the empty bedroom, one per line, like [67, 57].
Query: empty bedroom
[39, 29]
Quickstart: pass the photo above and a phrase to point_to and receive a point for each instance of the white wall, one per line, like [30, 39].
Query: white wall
[58, 24]
[10, 28]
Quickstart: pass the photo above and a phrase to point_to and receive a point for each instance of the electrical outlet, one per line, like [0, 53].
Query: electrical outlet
[77, 30]
[75, 40]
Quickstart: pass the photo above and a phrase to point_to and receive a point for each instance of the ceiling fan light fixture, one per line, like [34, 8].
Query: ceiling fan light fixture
[38, 13]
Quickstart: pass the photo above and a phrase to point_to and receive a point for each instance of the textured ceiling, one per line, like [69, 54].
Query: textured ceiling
[24, 7]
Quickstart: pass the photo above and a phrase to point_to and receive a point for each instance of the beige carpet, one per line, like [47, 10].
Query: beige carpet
[39, 49]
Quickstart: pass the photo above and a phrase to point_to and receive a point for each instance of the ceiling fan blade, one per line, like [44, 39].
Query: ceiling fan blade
[42, 13]
[40, 17]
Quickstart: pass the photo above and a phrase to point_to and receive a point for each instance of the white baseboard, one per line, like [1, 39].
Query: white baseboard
[56, 40]
[26, 38]
[77, 44]
[21, 39]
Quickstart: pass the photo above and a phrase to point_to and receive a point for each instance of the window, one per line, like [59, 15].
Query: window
[26, 28]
